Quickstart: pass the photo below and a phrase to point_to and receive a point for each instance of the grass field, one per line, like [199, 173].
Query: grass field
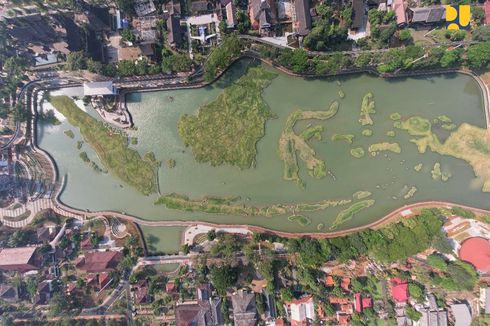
[227, 130]
[111, 147]
[162, 239]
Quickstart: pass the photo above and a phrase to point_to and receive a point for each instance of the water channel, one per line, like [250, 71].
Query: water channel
[387, 176]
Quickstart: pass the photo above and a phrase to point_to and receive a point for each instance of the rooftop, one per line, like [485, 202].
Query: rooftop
[16, 256]
[476, 251]
[98, 88]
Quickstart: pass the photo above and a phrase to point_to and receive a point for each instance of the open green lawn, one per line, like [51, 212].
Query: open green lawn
[111, 147]
[162, 239]
[226, 130]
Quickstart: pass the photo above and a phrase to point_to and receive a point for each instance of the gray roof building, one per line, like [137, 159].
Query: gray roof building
[98, 88]
[461, 314]
[358, 13]
[244, 309]
[428, 15]
[174, 37]
[303, 18]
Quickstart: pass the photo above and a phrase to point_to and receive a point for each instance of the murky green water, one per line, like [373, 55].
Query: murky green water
[156, 115]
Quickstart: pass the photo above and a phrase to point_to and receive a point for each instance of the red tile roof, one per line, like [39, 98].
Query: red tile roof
[476, 251]
[343, 319]
[20, 259]
[345, 284]
[101, 261]
[399, 290]
[358, 302]
[400, 11]
[337, 300]
[170, 287]
[304, 299]
[104, 278]
[279, 322]
[329, 281]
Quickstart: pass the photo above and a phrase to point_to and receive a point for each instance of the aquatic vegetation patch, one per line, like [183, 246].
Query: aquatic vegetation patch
[111, 147]
[361, 194]
[347, 214]
[341, 93]
[380, 147]
[312, 132]
[79, 144]
[345, 137]
[231, 206]
[300, 219]
[84, 157]
[418, 167]
[357, 152]
[467, 142]
[227, 130]
[320, 226]
[410, 192]
[416, 126]
[367, 108]
[390, 133]
[69, 133]
[170, 163]
[290, 143]
[449, 126]
[367, 132]
[438, 174]
[395, 116]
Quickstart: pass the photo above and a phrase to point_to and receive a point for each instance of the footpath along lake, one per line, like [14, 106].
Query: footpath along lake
[388, 176]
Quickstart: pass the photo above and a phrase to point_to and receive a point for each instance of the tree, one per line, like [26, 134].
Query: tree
[405, 36]
[31, 286]
[416, 291]
[412, 313]
[75, 61]
[364, 59]
[223, 277]
[211, 235]
[478, 15]
[482, 33]
[94, 66]
[450, 58]
[127, 35]
[479, 55]
[221, 57]
[185, 249]
[125, 5]
[126, 68]
[437, 261]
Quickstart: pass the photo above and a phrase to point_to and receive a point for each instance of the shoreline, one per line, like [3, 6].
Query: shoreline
[58, 206]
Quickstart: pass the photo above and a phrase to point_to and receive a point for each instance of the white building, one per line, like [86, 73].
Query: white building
[301, 311]
[98, 88]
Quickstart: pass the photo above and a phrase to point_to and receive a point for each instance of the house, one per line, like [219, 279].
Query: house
[358, 13]
[400, 10]
[22, 259]
[461, 314]
[8, 293]
[96, 262]
[301, 311]
[329, 281]
[104, 279]
[141, 294]
[399, 290]
[343, 319]
[95, 89]
[144, 7]
[196, 314]
[231, 20]
[70, 288]
[244, 310]
[345, 284]
[432, 318]
[174, 37]
[427, 15]
[43, 293]
[302, 24]
[347, 308]
[361, 303]
[262, 15]
[339, 301]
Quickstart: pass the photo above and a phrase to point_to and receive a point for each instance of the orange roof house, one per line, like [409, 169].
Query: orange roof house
[476, 251]
[170, 287]
[338, 300]
[95, 262]
[345, 284]
[329, 281]
[343, 319]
